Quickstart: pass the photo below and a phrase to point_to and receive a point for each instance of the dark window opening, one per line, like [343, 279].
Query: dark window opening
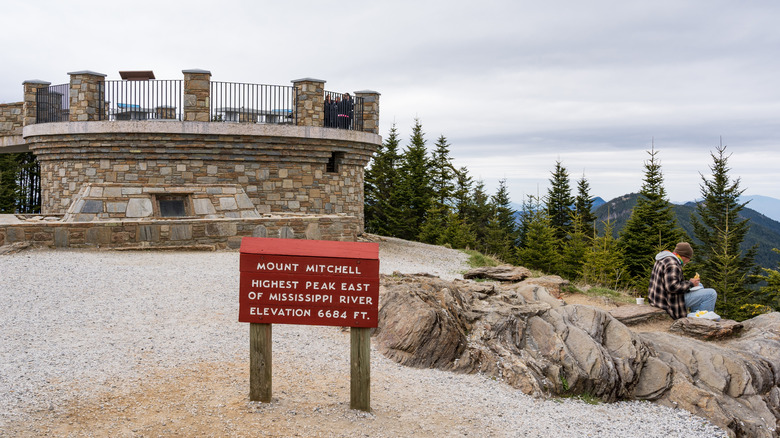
[172, 205]
[334, 161]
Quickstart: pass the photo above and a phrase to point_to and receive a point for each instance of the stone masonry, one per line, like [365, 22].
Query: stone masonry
[117, 202]
[299, 180]
[85, 95]
[196, 95]
[208, 234]
[11, 118]
[279, 171]
[310, 101]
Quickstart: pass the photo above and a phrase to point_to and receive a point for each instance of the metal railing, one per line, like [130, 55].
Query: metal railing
[343, 111]
[252, 103]
[52, 104]
[141, 100]
[229, 102]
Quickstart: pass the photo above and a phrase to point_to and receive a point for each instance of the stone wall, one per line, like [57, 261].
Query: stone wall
[116, 202]
[184, 233]
[283, 169]
[11, 120]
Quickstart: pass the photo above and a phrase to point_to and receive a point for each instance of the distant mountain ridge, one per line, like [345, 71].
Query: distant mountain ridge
[764, 231]
[597, 202]
[766, 205]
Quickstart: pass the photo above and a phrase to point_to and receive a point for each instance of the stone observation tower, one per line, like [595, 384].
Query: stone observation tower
[145, 162]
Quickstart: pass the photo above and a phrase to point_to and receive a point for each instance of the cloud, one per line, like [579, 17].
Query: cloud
[513, 85]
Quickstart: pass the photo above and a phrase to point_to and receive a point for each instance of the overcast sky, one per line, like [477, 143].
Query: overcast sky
[513, 85]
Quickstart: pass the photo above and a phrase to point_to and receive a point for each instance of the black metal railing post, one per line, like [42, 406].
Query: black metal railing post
[141, 100]
[252, 103]
[343, 111]
[52, 104]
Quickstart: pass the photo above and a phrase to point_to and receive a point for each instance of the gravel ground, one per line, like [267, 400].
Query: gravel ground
[90, 327]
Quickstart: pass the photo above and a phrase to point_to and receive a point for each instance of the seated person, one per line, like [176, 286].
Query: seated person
[670, 291]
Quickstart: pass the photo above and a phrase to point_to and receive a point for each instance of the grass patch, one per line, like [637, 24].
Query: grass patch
[478, 260]
[598, 291]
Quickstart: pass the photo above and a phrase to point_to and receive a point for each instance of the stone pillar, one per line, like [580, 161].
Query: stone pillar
[310, 102]
[85, 94]
[30, 106]
[370, 110]
[197, 95]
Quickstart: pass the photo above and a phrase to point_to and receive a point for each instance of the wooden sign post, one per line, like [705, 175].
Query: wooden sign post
[310, 282]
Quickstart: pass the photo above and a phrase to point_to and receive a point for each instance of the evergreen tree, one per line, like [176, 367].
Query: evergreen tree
[652, 226]
[382, 215]
[433, 229]
[530, 205]
[503, 211]
[442, 174]
[583, 204]
[459, 233]
[371, 193]
[574, 250]
[502, 227]
[770, 294]
[415, 188]
[478, 215]
[443, 187]
[603, 264]
[9, 169]
[462, 196]
[560, 202]
[29, 182]
[717, 225]
[539, 246]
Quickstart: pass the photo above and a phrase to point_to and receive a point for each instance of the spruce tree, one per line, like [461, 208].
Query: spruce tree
[462, 196]
[371, 193]
[559, 205]
[603, 263]
[414, 183]
[478, 214]
[574, 250]
[459, 233]
[442, 174]
[583, 204]
[503, 211]
[502, 228]
[8, 183]
[539, 246]
[770, 293]
[720, 232]
[443, 187]
[529, 207]
[652, 226]
[29, 183]
[382, 215]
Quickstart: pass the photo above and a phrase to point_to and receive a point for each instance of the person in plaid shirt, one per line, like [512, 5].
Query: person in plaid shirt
[670, 291]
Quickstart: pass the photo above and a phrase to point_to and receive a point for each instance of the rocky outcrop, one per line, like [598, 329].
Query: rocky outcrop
[636, 314]
[706, 329]
[533, 341]
[500, 273]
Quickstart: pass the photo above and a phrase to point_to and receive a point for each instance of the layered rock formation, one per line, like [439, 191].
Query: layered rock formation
[533, 341]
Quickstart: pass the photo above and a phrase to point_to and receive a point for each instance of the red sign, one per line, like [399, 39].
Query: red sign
[311, 282]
